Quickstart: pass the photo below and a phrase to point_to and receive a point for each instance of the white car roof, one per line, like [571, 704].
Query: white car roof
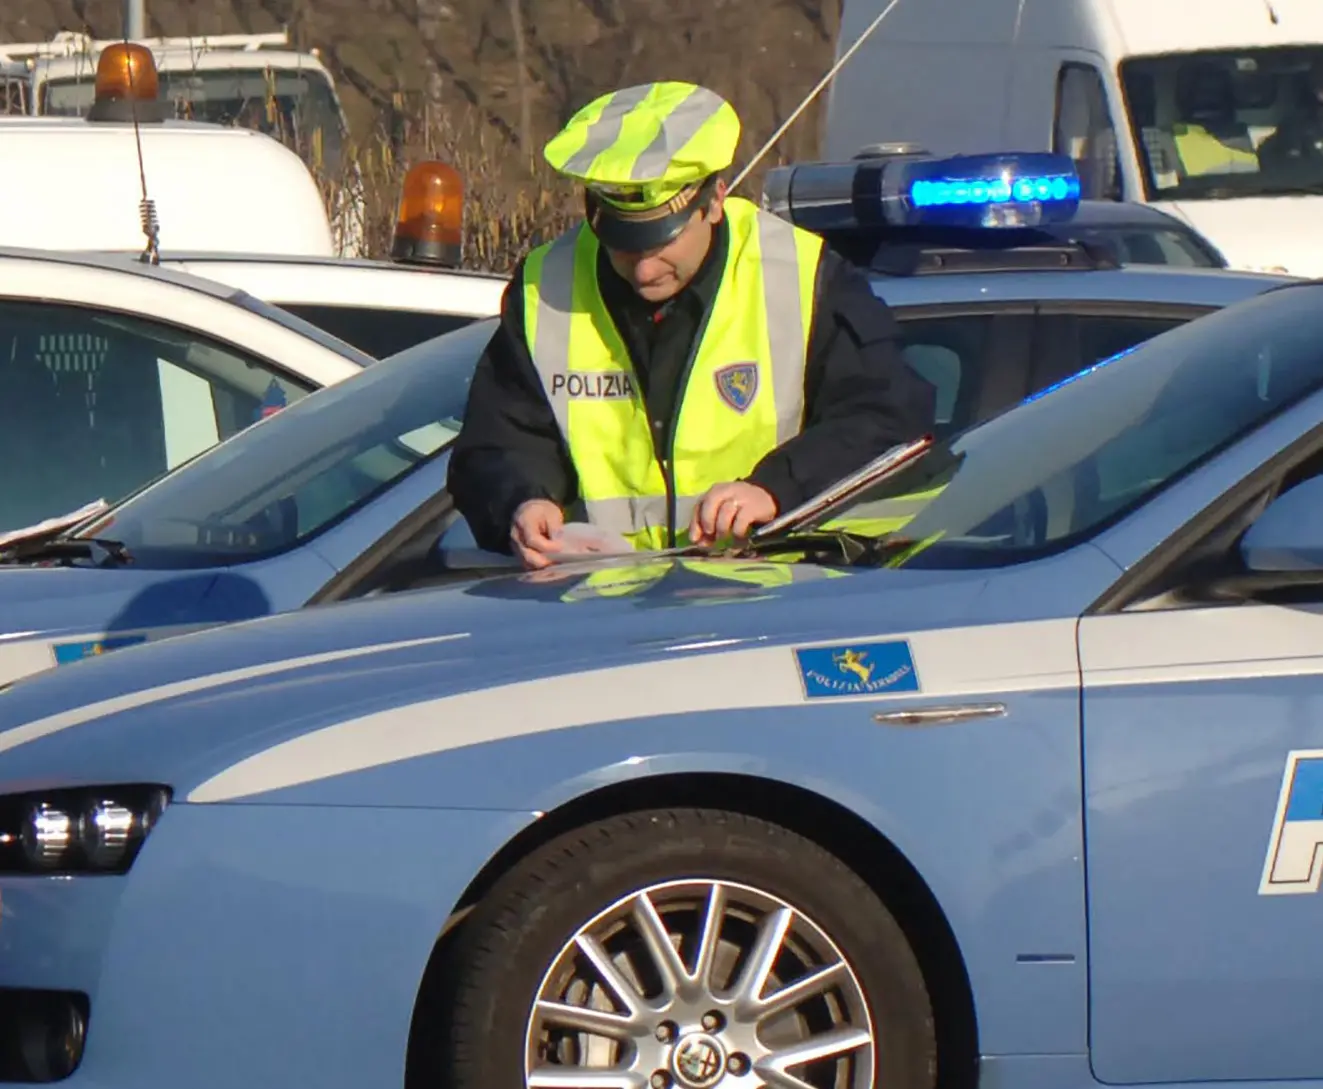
[329, 281]
[174, 297]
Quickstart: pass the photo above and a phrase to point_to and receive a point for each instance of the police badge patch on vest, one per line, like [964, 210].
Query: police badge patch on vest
[593, 386]
[737, 384]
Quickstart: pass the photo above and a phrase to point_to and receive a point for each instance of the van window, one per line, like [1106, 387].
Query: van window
[13, 94]
[95, 404]
[1084, 131]
[1217, 125]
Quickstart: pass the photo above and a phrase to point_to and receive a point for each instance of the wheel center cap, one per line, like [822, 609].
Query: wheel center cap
[698, 1061]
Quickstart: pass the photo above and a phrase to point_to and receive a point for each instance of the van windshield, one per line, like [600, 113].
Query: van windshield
[1237, 123]
[296, 106]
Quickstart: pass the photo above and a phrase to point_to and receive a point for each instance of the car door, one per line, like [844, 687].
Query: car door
[1203, 767]
[95, 403]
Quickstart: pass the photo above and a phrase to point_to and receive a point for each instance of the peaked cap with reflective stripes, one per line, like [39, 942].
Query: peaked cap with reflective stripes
[643, 152]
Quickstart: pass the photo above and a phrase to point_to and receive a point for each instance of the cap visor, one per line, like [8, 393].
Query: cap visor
[637, 236]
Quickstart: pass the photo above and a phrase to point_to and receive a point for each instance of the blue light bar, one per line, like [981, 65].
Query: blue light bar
[993, 191]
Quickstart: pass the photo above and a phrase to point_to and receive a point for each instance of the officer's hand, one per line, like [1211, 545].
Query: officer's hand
[730, 510]
[533, 531]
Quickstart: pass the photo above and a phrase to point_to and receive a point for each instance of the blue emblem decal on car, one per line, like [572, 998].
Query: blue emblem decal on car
[67, 653]
[737, 384]
[864, 669]
[1295, 848]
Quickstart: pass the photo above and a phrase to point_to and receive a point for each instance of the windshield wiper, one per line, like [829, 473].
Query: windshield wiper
[1313, 189]
[103, 552]
[854, 549]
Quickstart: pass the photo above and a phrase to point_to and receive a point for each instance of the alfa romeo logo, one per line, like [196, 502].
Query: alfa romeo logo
[699, 1061]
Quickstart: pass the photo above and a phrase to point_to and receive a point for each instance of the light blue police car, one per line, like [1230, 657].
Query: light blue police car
[343, 493]
[1029, 792]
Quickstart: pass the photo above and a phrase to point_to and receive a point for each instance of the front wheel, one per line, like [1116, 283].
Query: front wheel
[689, 949]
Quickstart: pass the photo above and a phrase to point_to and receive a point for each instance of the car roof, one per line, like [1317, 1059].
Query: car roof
[62, 124]
[1156, 284]
[285, 260]
[121, 264]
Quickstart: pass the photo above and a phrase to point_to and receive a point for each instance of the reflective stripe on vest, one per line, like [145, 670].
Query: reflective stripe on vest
[744, 394]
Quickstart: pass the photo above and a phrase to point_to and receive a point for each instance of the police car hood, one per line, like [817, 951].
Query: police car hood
[183, 710]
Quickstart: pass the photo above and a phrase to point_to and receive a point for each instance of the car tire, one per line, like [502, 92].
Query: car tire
[576, 903]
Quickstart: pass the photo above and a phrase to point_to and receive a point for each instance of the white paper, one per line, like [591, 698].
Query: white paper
[62, 521]
[579, 539]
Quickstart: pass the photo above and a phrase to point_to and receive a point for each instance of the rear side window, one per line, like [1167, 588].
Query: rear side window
[975, 362]
[1069, 343]
[375, 330]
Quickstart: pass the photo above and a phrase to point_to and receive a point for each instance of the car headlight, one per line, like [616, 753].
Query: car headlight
[89, 830]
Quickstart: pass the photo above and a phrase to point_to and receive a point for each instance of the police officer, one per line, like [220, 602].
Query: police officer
[682, 366]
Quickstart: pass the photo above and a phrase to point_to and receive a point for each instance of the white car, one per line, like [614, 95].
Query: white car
[112, 373]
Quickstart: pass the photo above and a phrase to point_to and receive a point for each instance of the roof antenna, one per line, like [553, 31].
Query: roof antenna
[151, 226]
[808, 100]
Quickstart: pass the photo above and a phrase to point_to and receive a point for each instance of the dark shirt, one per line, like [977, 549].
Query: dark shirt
[860, 396]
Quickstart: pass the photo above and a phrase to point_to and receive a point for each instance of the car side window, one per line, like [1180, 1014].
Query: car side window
[94, 404]
[379, 331]
[1084, 131]
[975, 362]
[947, 353]
[1069, 343]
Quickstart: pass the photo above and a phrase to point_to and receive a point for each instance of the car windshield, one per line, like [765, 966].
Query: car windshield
[1072, 459]
[1240, 123]
[294, 475]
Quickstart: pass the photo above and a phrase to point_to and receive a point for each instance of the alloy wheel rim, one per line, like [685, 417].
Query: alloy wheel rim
[700, 984]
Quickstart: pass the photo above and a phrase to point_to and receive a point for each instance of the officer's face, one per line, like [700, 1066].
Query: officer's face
[659, 274]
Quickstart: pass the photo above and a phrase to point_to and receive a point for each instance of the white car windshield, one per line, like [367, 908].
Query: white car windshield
[1239, 123]
[1078, 456]
[291, 477]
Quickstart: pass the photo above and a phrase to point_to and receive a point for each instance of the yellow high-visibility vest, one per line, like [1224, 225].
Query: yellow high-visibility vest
[744, 391]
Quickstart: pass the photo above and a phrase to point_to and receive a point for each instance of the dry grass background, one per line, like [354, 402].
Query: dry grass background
[481, 84]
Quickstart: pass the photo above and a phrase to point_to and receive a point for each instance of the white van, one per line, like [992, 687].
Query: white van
[256, 81]
[73, 184]
[1173, 103]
